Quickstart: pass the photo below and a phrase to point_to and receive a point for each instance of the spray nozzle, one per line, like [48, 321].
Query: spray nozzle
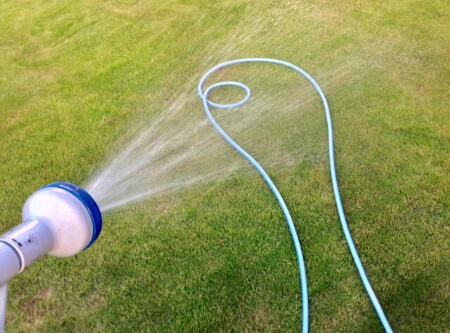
[60, 219]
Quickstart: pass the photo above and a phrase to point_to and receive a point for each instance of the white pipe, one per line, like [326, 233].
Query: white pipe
[3, 296]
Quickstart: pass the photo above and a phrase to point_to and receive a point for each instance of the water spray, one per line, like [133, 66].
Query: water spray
[60, 219]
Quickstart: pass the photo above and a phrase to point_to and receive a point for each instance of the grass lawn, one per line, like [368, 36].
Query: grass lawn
[75, 76]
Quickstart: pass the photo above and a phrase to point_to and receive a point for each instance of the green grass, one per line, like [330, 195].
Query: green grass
[75, 76]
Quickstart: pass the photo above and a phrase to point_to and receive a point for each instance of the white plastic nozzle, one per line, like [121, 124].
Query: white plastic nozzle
[60, 219]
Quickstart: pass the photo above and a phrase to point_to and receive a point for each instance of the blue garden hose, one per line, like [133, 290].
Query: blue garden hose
[301, 263]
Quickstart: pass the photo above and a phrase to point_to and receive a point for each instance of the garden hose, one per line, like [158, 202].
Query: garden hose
[203, 93]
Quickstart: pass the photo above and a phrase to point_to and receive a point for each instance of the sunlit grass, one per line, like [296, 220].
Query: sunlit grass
[75, 77]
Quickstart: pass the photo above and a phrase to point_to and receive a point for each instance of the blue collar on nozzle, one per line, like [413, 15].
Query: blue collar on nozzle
[88, 202]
